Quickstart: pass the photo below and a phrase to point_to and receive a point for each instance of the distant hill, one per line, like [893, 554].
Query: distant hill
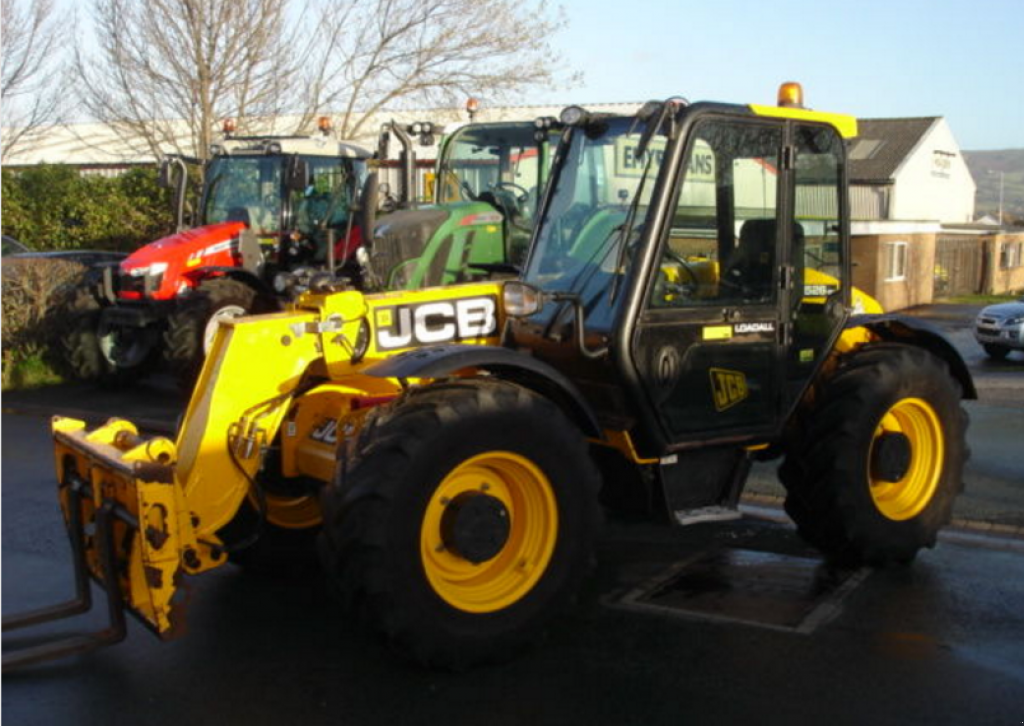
[986, 167]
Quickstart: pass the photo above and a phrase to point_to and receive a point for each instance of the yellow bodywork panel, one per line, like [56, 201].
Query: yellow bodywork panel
[251, 374]
[845, 125]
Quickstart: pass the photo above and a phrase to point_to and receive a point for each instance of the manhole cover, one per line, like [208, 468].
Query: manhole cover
[758, 588]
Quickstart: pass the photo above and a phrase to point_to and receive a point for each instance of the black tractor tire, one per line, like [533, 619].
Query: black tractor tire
[81, 357]
[874, 464]
[413, 537]
[185, 344]
[995, 351]
[82, 354]
[270, 550]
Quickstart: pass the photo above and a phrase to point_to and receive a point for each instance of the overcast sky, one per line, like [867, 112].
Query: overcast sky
[962, 59]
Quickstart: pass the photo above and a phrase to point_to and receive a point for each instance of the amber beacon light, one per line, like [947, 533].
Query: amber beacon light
[791, 95]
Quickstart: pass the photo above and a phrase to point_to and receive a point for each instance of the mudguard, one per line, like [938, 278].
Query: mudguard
[437, 361]
[898, 328]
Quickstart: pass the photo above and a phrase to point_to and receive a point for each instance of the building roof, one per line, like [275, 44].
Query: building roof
[97, 144]
[881, 146]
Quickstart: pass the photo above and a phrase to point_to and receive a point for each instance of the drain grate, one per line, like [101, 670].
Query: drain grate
[766, 589]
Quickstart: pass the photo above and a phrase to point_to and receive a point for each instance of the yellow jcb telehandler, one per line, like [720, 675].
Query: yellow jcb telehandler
[685, 308]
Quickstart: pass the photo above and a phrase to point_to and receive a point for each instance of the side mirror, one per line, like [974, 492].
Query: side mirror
[368, 206]
[296, 174]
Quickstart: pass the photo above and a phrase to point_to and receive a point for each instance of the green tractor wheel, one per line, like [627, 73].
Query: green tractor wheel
[465, 522]
[872, 471]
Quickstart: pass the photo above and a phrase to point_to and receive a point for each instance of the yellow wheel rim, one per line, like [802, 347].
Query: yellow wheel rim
[291, 512]
[507, 577]
[915, 419]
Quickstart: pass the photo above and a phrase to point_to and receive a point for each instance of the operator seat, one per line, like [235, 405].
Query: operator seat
[750, 269]
[239, 214]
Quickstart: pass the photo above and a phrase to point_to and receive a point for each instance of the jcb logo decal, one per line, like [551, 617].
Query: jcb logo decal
[728, 388]
[442, 321]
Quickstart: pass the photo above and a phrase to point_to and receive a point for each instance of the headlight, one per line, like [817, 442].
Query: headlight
[1014, 321]
[283, 282]
[157, 268]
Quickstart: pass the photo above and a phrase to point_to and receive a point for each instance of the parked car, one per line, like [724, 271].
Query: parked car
[1000, 328]
[15, 250]
[12, 246]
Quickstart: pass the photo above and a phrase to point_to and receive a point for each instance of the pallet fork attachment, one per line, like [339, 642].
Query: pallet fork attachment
[82, 602]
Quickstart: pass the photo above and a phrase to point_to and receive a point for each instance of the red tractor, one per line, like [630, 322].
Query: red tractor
[268, 204]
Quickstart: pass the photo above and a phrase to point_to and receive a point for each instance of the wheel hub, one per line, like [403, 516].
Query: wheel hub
[891, 457]
[475, 526]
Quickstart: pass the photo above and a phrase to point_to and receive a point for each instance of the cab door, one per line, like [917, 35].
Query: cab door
[707, 344]
[819, 295]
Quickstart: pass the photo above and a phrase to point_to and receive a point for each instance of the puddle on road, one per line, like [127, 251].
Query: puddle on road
[766, 589]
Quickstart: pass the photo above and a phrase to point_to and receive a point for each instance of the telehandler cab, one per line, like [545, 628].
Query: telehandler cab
[685, 308]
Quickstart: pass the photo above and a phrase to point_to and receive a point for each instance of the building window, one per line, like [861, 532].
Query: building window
[1010, 255]
[895, 261]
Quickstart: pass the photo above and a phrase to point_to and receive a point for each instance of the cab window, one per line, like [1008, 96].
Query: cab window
[721, 248]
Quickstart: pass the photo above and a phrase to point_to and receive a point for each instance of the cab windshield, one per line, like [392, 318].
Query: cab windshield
[598, 206]
[482, 160]
[251, 190]
[245, 189]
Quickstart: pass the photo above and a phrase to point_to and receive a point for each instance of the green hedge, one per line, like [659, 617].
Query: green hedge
[53, 207]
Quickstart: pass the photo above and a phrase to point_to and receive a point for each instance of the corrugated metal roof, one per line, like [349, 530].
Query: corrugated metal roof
[882, 144]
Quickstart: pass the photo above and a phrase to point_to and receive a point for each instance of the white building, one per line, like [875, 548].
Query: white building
[909, 169]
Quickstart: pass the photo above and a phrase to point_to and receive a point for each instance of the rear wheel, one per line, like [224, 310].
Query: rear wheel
[191, 328]
[873, 469]
[466, 521]
[998, 352]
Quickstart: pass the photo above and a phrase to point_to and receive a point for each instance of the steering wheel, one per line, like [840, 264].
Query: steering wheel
[466, 192]
[522, 193]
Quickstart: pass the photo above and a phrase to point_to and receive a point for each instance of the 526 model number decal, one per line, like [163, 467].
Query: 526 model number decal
[437, 321]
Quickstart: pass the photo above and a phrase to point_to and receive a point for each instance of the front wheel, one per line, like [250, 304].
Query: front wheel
[995, 351]
[191, 328]
[110, 355]
[873, 468]
[465, 522]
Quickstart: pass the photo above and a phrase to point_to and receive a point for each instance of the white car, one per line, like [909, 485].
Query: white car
[1000, 328]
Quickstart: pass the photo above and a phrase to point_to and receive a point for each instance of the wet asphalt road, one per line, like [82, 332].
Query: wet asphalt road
[940, 642]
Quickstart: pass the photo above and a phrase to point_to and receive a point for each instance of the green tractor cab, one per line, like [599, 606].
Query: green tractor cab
[485, 193]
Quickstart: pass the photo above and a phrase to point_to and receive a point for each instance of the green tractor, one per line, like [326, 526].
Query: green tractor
[485, 193]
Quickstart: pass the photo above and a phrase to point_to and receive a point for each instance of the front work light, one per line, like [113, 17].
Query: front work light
[521, 300]
[573, 115]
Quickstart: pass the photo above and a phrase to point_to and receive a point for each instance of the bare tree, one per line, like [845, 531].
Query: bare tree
[369, 55]
[31, 72]
[166, 71]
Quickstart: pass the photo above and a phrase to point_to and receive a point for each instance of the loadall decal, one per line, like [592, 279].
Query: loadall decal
[742, 328]
[728, 388]
[437, 321]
